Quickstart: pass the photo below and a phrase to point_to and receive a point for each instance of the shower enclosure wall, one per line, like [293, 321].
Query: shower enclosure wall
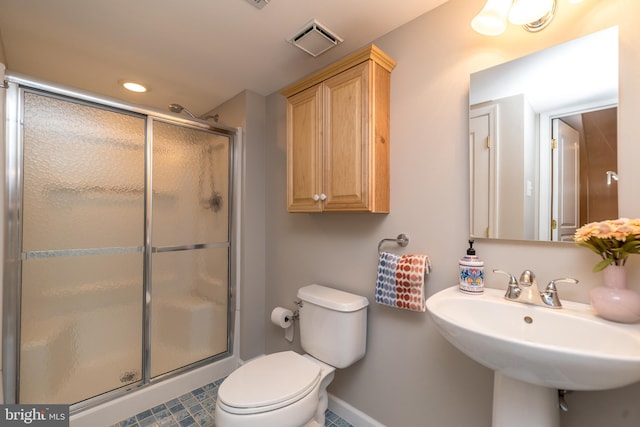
[118, 249]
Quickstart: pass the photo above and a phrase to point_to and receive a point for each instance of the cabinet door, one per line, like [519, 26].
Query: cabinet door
[346, 140]
[304, 151]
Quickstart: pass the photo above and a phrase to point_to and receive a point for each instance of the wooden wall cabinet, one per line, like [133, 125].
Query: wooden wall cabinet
[338, 136]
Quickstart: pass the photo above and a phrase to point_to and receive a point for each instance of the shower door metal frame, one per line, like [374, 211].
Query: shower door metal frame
[13, 139]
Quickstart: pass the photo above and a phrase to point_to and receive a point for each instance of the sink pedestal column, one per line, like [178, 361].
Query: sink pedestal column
[516, 403]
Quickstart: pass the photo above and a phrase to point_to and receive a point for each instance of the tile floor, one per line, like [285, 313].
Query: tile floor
[195, 409]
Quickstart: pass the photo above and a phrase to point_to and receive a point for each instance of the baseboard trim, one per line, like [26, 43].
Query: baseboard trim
[353, 415]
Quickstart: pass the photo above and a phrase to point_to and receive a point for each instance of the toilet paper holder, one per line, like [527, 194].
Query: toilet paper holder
[285, 318]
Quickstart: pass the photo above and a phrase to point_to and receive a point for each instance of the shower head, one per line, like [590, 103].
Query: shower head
[177, 108]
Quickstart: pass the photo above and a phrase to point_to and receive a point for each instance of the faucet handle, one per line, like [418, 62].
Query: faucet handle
[527, 278]
[513, 290]
[551, 287]
[550, 294]
[512, 278]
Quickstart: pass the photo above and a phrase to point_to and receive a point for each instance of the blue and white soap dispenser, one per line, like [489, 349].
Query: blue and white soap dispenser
[471, 272]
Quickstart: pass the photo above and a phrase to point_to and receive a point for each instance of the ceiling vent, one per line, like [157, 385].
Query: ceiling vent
[314, 38]
[259, 3]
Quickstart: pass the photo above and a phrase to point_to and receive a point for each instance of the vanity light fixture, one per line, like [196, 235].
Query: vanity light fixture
[133, 86]
[533, 15]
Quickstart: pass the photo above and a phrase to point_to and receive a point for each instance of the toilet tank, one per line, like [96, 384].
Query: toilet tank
[333, 325]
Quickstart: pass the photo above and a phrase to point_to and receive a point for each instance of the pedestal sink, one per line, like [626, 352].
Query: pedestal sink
[535, 351]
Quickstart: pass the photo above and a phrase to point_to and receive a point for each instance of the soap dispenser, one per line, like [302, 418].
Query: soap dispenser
[471, 272]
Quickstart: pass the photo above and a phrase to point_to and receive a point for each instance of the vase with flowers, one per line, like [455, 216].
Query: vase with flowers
[614, 240]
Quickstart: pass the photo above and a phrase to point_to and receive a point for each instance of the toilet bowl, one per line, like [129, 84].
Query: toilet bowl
[287, 389]
[283, 389]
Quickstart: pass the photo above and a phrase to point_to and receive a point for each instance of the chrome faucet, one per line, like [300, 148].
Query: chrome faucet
[527, 292]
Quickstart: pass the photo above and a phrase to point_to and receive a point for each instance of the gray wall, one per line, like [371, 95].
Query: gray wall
[411, 376]
[247, 111]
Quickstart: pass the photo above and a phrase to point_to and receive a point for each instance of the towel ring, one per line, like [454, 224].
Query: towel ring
[402, 240]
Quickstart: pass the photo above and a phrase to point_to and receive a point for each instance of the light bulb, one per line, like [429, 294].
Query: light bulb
[527, 11]
[492, 19]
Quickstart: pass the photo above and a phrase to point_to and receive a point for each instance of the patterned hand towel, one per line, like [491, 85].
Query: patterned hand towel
[401, 279]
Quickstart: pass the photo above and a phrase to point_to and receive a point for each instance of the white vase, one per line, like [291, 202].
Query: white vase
[614, 301]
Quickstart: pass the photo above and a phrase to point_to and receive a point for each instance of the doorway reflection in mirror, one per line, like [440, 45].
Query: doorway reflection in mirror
[543, 133]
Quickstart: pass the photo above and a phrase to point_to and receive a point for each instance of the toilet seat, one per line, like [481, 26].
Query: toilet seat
[269, 382]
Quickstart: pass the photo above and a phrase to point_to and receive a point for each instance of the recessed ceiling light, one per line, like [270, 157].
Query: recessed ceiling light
[133, 86]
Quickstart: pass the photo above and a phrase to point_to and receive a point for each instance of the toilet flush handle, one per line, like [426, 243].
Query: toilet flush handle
[296, 313]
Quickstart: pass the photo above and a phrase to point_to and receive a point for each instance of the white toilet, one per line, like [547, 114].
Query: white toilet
[287, 389]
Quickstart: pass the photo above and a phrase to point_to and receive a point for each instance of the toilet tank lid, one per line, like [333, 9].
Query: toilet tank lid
[333, 299]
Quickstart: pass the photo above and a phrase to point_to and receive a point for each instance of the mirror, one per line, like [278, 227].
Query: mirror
[543, 141]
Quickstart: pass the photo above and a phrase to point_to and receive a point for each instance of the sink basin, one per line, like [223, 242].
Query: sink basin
[568, 348]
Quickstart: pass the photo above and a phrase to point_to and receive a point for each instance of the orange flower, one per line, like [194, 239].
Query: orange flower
[614, 240]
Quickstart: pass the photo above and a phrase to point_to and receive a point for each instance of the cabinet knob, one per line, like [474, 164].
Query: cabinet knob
[316, 197]
[323, 196]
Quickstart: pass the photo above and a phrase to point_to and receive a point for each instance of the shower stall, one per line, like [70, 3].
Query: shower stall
[118, 255]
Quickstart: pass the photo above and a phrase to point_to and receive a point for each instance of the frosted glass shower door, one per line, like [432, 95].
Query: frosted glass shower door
[190, 239]
[82, 242]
